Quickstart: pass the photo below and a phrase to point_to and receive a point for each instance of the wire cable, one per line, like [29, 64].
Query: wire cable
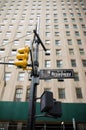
[15, 55]
[16, 39]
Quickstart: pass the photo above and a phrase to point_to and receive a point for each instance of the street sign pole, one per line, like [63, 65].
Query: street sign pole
[32, 104]
[34, 83]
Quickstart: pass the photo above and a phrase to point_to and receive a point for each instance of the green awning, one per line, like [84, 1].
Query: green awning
[18, 111]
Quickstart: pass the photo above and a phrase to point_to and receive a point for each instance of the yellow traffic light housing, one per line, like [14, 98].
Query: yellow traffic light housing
[22, 57]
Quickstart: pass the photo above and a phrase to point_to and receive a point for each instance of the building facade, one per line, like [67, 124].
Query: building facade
[63, 32]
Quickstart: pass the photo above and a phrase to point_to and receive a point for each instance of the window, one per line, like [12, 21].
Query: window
[84, 10]
[47, 89]
[67, 33]
[47, 80]
[66, 26]
[76, 33]
[77, 9]
[8, 33]
[4, 125]
[83, 26]
[13, 52]
[13, 20]
[74, 26]
[55, 15]
[61, 93]
[76, 77]
[70, 10]
[73, 63]
[78, 93]
[16, 42]
[79, 14]
[73, 19]
[47, 63]
[63, 9]
[28, 33]
[5, 20]
[5, 41]
[65, 20]
[64, 14]
[84, 63]
[79, 42]
[71, 14]
[80, 19]
[48, 51]
[85, 73]
[47, 20]
[7, 76]
[10, 26]
[28, 42]
[2, 50]
[56, 26]
[82, 5]
[81, 50]
[18, 34]
[84, 33]
[58, 52]
[57, 42]
[31, 20]
[59, 63]
[2, 26]
[57, 33]
[20, 27]
[28, 94]
[48, 26]
[55, 9]
[69, 41]
[71, 51]
[0, 32]
[10, 61]
[47, 15]
[47, 42]
[21, 76]
[30, 26]
[55, 20]
[47, 34]
[18, 94]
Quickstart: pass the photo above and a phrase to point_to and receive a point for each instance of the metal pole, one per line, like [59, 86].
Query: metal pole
[32, 105]
[45, 126]
[33, 89]
[4, 74]
[74, 124]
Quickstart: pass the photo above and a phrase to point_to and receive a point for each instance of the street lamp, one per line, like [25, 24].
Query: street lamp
[62, 126]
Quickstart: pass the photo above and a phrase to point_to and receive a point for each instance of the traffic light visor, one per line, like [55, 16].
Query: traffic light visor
[22, 56]
[21, 63]
[24, 49]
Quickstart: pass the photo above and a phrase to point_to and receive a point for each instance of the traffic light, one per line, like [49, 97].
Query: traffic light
[50, 106]
[46, 101]
[56, 110]
[22, 57]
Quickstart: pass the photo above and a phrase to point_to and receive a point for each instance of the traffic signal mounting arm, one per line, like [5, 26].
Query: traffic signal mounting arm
[39, 40]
